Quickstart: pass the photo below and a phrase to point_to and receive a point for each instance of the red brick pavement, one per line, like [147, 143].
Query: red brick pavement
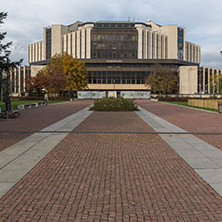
[188, 119]
[36, 119]
[111, 177]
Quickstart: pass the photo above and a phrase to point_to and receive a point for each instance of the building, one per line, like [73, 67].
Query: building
[18, 78]
[120, 55]
[209, 80]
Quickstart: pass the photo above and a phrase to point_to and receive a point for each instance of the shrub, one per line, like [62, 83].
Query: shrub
[113, 104]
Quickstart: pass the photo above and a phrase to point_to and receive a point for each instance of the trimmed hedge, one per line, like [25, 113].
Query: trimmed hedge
[180, 99]
[114, 104]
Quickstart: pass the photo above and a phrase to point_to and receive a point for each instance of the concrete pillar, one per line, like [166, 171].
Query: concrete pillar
[140, 43]
[24, 71]
[83, 43]
[159, 46]
[163, 47]
[69, 44]
[150, 45]
[15, 80]
[33, 52]
[145, 44]
[88, 43]
[74, 44]
[208, 76]
[154, 45]
[204, 74]
[78, 45]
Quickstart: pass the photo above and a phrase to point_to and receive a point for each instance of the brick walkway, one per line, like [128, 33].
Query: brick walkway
[111, 177]
[36, 119]
[189, 120]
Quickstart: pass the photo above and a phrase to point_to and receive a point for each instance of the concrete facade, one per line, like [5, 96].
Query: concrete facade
[120, 52]
[188, 79]
[154, 42]
[19, 77]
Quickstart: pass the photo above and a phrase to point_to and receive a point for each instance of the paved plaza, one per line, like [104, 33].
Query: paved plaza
[66, 163]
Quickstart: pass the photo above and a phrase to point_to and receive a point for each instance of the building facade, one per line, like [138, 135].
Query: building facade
[18, 79]
[120, 55]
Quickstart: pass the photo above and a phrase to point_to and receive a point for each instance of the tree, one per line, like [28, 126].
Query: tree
[38, 83]
[75, 70]
[58, 81]
[162, 80]
[216, 83]
[6, 64]
[66, 72]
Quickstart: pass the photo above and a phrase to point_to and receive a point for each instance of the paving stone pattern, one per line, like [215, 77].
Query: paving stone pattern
[189, 119]
[36, 119]
[111, 177]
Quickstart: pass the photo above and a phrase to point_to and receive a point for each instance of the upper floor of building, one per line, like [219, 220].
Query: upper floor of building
[115, 40]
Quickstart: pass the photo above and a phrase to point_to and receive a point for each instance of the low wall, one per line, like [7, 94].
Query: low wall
[206, 103]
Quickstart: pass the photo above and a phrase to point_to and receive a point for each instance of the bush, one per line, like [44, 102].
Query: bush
[113, 104]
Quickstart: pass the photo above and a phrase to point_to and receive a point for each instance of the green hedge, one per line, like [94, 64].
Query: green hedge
[114, 104]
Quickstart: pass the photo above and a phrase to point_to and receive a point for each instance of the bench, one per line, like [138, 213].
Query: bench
[31, 105]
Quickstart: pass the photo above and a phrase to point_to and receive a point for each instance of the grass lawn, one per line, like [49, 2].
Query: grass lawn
[186, 104]
[15, 103]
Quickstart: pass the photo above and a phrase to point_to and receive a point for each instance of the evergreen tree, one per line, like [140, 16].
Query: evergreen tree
[5, 64]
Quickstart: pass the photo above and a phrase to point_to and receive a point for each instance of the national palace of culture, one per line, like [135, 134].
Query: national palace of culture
[120, 53]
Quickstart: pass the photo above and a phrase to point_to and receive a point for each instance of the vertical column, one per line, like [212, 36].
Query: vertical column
[19, 79]
[208, 74]
[88, 43]
[163, 47]
[23, 83]
[212, 73]
[166, 47]
[154, 45]
[29, 48]
[33, 52]
[140, 43]
[36, 52]
[145, 44]
[70, 43]
[15, 80]
[159, 46]
[217, 74]
[150, 45]
[64, 43]
[188, 52]
[74, 44]
[78, 45]
[39, 51]
[83, 43]
[194, 53]
[204, 74]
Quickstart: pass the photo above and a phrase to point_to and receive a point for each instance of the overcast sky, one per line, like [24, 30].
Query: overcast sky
[201, 18]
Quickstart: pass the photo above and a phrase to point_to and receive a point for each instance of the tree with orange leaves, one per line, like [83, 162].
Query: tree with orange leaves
[38, 83]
